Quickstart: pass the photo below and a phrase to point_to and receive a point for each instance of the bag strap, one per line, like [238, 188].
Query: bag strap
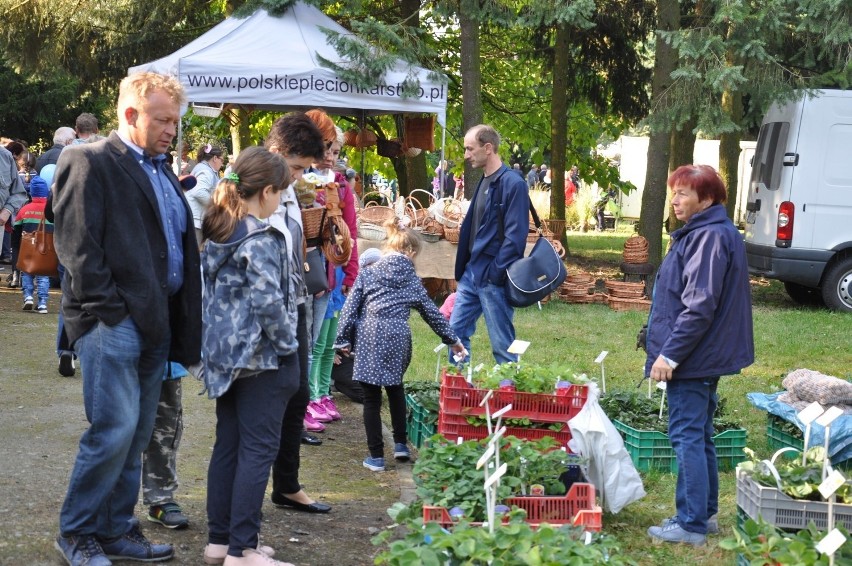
[500, 217]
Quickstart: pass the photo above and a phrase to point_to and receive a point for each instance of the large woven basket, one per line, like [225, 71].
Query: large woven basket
[625, 290]
[372, 232]
[449, 212]
[312, 222]
[580, 277]
[420, 132]
[618, 304]
[376, 214]
[636, 250]
[452, 234]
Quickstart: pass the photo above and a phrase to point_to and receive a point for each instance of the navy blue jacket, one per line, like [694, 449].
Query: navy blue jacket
[491, 256]
[701, 314]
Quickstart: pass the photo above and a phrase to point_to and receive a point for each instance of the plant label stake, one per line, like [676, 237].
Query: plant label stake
[600, 360]
[825, 420]
[808, 415]
[662, 386]
[487, 405]
[437, 350]
[491, 483]
[518, 347]
[828, 488]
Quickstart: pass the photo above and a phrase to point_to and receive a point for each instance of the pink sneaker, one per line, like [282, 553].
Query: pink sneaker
[318, 412]
[328, 404]
[312, 425]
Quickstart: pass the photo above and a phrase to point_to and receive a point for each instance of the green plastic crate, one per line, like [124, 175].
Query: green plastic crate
[780, 439]
[652, 450]
[420, 423]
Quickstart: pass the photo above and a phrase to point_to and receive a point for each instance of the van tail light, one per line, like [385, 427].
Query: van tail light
[785, 224]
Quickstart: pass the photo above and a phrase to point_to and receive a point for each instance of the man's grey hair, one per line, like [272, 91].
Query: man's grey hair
[64, 136]
[487, 134]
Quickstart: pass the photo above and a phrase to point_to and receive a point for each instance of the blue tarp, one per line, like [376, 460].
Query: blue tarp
[840, 439]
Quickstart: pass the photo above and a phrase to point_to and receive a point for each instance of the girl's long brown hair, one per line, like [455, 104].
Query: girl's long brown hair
[254, 169]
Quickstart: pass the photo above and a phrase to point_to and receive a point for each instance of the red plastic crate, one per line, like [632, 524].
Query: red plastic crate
[459, 398]
[455, 426]
[577, 507]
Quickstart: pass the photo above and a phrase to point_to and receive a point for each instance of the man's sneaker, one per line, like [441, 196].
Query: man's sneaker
[15, 279]
[66, 364]
[674, 533]
[712, 523]
[169, 515]
[318, 412]
[42, 309]
[374, 464]
[28, 303]
[401, 452]
[312, 425]
[84, 550]
[330, 407]
[133, 545]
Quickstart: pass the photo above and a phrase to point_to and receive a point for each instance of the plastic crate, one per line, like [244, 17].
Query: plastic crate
[652, 450]
[458, 397]
[780, 439]
[454, 427]
[420, 422]
[577, 507]
[778, 509]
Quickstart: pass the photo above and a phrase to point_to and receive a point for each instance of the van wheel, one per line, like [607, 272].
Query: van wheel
[808, 296]
[837, 286]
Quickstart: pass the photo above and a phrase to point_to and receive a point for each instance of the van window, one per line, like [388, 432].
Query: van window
[769, 154]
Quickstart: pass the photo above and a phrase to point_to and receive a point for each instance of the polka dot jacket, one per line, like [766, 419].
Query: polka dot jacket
[374, 320]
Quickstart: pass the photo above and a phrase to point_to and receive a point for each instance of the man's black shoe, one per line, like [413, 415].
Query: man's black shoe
[66, 365]
[310, 439]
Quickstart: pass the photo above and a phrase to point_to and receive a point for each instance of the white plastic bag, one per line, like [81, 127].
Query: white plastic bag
[610, 468]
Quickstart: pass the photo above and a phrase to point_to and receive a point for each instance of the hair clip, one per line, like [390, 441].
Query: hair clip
[233, 177]
[404, 222]
[208, 148]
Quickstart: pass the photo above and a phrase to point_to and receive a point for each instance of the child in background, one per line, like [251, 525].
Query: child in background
[28, 219]
[321, 406]
[374, 323]
[249, 341]
[447, 308]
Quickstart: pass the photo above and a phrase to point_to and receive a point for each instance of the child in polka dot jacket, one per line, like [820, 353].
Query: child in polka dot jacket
[374, 323]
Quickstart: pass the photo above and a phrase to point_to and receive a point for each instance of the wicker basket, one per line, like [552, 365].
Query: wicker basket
[625, 290]
[636, 243]
[635, 257]
[452, 234]
[430, 237]
[350, 137]
[420, 132]
[312, 222]
[636, 250]
[449, 213]
[375, 214]
[372, 232]
[388, 148]
[618, 304]
[556, 226]
[580, 277]
[365, 138]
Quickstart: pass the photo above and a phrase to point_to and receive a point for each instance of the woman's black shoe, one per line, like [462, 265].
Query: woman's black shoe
[310, 439]
[283, 501]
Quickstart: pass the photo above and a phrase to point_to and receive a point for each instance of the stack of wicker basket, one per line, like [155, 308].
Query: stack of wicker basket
[577, 288]
[625, 296]
[636, 250]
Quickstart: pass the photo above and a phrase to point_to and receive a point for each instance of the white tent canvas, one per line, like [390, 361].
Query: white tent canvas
[271, 62]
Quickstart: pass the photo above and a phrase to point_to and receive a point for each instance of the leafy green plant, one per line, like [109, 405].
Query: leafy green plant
[530, 378]
[426, 393]
[798, 480]
[637, 411]
[514, 543]
[446, 474]
[763, 544]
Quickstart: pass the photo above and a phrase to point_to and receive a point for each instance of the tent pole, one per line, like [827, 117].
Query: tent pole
[364, 185]
[443, 172]
[180, 147]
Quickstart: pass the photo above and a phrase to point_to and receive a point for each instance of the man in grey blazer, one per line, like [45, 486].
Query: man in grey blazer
[132, 301]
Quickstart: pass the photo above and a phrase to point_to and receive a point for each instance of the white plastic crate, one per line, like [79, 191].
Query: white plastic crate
[778, 509]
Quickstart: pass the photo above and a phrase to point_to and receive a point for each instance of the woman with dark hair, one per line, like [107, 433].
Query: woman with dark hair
[700, 328]
[206, 173]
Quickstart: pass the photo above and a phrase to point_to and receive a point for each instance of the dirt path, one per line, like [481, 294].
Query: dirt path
[41, 419]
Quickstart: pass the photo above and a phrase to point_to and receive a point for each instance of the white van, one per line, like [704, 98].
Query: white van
[799, 211]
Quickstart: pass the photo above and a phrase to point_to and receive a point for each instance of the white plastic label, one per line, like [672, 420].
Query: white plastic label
[662, 385]
[810, 413]
[439, 347]
[502, 411]
[601, 357]
[495, 476]
[489, 452]
[518, 347]
[831, 484]
[831, 542]
[829, 415]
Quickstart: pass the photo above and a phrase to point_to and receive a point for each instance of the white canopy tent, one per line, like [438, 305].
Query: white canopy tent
[270, 62]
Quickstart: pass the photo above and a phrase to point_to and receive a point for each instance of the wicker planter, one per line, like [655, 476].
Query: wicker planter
[420, 132]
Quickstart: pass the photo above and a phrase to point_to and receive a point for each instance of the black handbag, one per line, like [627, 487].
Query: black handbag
[314, 273]
[532, 278]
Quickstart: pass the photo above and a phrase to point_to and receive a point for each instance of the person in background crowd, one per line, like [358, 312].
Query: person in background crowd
[62, 137]
[206, 173]
[575, 176]
[493, 236]
[21, 157]
[13, 196]
[374, 323]
[532, 176]
[28, 220]
[118, 207]
[570, 190]
[86, 127]
[300, 142]
[517, 169]
[252, 378]
[700, 328]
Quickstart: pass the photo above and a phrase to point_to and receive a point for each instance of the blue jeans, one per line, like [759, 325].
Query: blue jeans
[248, 430]
[122, 377]
[490, 300]
[42, 285]
[692, 403]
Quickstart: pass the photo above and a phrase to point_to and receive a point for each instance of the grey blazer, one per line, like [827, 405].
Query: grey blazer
[109, 237]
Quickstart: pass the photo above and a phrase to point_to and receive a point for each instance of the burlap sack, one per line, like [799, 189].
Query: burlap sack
[810, 386]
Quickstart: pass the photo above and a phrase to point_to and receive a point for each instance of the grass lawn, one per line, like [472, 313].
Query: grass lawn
[786, 337]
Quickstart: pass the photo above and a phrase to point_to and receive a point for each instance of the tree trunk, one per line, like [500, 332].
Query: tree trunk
[559, 122]
[240, 129]
[682, 153]
[654, 192]
[729, 150]
[471, 73]
[411, 171]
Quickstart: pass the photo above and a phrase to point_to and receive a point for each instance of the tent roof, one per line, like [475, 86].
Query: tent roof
[271, 62]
